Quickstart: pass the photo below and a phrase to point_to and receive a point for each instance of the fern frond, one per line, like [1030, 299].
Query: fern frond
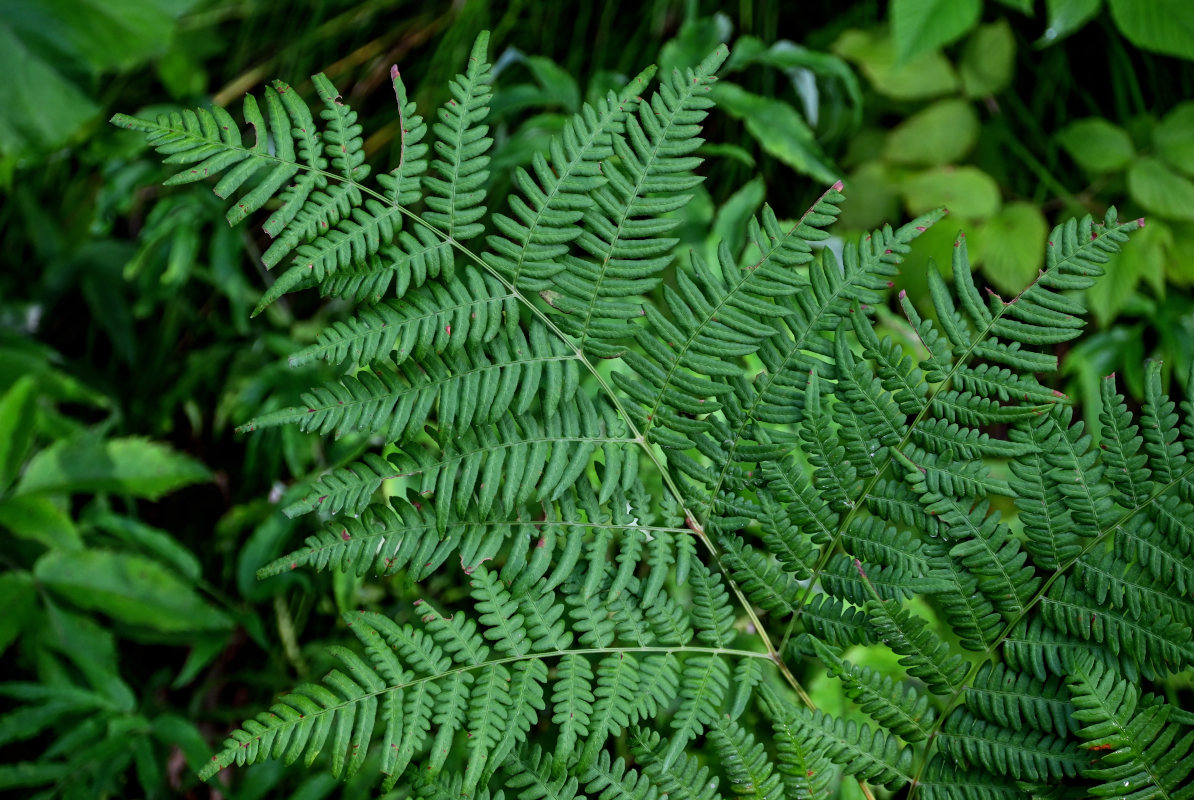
[924, 654]
[747, 767]
[625, 245]
[1023, 754]
[943, 779]
[1156, 642]
[610, 779]
[803, 765]
[435, 319]
[859, 750]
[684, 777]
[766, 584]
[1014, 699]
[534, 771]
[456, 198]
[1147, 754]
[477, 384]
[899, 709]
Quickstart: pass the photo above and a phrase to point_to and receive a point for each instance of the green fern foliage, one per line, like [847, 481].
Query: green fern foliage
[669, 495]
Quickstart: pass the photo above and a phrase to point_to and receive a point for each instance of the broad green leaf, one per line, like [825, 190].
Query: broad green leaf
[1011, 247]
[1063, 17]
[129, 588]
[1023, 6]
[871, 197]
[50, 48]
[730, 224]
[921, 26]
[777, 127]
[1174, 137]
[18, 599]
[1097, 145]
[1163, 26]
[24, 357]
[1181, 270]
[697, 38]
[940, 134]
[988, 60]
[132, 466]
[177, 731]
[39, 109]
[967, 192]
[92, 648]
[558, 86]
[40, 519]
[17, 408]
[929, 75]
[1143, 258]
[159, 544]
[798, 62]
[27, 774]
[1154, 185]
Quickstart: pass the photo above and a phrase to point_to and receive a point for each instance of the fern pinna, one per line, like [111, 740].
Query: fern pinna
[676, 489]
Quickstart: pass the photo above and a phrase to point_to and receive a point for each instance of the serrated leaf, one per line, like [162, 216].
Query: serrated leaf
[40, 519]
[131, 465]
[129, 588]
[1155, 186]
[921, 26]
[18, 597]
[1097, 145]
[940, 134]
[17, 408]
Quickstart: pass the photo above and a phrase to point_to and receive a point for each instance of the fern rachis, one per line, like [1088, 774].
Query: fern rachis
[532, 383]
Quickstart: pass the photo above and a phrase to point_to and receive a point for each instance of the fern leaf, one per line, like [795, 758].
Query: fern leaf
[610, 779]
[572, 700]
[1154, 641]
[704, 683]
[803, 765]
[617, 683]
[1022, 754]
[560, 191]
[943, 779]
[1146, 754]
[434, 320]
[749, 771]
[1014, 699]
[924, 654]
[900, 710]
[871, 755]
[403, 182]
[456, 197]
[685, 778]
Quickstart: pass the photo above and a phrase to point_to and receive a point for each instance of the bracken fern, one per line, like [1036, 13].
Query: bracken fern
[533, 373]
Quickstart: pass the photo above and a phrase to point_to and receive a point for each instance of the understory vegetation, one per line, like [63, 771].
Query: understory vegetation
[636, 403]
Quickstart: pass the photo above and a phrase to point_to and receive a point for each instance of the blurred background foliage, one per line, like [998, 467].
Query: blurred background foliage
[134, 520]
